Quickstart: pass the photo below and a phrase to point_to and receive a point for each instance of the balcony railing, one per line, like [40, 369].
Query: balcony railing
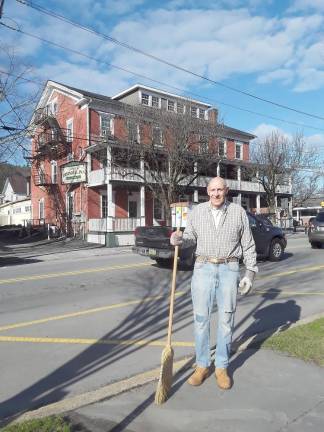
[97, 177]
[42, 179]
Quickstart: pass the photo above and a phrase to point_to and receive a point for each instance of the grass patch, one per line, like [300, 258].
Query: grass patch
[305, 342]
[47, 424]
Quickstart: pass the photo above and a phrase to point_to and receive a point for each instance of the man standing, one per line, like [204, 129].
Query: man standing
[221, 232]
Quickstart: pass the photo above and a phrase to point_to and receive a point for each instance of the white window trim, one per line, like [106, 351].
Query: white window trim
[174, 105]
[238, 143]
[151, 100]
[67, 195]
[41, 202]
[111, 119]
[54, 168]
[225, 148]
[68, 123]
[162, 210]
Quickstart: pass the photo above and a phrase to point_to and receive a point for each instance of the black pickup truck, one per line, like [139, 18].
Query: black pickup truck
[154, 242]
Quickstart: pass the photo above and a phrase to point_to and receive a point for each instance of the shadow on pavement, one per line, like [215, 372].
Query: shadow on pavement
[146, 321]
[269, 319]
[12, 260]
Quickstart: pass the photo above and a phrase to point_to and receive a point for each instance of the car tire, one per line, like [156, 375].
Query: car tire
[316, 245]
[276, 250]
[163, 262]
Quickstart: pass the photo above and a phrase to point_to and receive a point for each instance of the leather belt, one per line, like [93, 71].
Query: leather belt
[213, 260]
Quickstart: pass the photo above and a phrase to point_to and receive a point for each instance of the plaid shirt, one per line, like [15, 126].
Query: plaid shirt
[232, 237]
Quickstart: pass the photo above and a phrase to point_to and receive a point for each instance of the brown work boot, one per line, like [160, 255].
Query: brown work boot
[223, 380]
[199, 376]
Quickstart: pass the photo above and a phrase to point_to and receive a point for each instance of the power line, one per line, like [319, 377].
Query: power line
[153, 57]
[151, 79]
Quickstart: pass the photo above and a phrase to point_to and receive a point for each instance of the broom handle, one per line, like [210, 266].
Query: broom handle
[173, 287]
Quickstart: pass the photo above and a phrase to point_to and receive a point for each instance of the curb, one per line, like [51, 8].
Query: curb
[144, 378]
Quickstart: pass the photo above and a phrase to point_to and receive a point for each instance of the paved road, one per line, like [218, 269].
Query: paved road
[72, 321]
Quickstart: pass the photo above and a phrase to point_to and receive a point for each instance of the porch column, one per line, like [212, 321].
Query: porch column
[196, 196]
[142, 194]
[218, 169]
[258, 207]
[109, 193]
[142, 204]
[196, 183]
[290, 207]
[239, 199]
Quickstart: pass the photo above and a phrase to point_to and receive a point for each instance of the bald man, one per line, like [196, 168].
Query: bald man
[221, 232]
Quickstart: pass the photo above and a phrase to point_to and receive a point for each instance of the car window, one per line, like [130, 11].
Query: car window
[320, 217]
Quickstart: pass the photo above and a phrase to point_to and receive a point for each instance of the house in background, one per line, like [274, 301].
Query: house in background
[78, 178]
[15, 208]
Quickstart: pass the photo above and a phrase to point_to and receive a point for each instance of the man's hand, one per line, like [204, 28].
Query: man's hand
[176, 238]
[246, 283]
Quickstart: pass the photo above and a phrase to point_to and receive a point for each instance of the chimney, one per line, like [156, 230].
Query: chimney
[213, 115]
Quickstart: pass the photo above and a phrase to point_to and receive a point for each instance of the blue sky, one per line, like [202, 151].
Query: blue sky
[271, 49]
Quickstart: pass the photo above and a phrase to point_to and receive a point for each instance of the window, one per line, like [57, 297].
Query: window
[27, 209]
[238, 151]
[69, 130]
[106, 124]
[194, 111]
[54, 107]
[69, 205]
[158, 212]
[132, 209]
[69, 157]
[180, 108]
[54, 172]
[156, 136]
[41, 209]
[203, 144]
[104, 206]
[170, 105]
[221, 148]
[202, 113]
[145, 99]
[155, 102]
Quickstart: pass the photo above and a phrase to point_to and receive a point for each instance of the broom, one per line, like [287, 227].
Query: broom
[165, 380]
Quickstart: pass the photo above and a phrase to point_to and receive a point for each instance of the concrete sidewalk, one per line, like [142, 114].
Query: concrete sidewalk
[271, 392]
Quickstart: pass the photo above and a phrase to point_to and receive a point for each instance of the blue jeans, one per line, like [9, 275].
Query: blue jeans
[210, 281]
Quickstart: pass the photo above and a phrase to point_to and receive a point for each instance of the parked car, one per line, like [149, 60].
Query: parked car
[154, 242]
[316, 231]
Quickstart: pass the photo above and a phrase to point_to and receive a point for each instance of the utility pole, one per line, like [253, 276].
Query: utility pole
[1, 7]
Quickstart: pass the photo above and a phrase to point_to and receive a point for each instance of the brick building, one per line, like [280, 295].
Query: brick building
[77, 187]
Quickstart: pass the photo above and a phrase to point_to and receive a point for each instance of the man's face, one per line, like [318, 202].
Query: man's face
[217, 192]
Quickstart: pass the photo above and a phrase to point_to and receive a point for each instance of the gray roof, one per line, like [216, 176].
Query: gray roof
[86, 93]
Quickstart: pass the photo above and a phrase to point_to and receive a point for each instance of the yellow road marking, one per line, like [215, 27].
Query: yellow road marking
[86, 312]
[287, 293]
[71, 273]
[290, 272]
[83, 341]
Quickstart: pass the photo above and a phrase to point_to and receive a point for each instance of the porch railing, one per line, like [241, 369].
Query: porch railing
[118, 224]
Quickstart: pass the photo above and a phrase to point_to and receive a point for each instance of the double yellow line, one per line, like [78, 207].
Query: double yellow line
[71, 273]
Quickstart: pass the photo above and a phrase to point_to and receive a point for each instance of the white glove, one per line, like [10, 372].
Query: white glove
[246, 283]
[176, 238]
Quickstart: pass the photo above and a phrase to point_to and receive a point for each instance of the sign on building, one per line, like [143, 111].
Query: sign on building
[74, 172]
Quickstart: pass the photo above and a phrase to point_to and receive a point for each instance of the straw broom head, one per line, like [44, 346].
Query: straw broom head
[165, 381]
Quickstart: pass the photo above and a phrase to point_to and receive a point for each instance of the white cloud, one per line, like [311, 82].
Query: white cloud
[307, 4]
[284, 75]
[265, 129]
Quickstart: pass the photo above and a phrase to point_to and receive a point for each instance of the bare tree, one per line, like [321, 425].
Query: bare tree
[16, 105]
[172, 150]
[279, 160]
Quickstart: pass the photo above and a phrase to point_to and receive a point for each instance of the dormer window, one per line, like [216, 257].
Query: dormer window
[170, 105]
[202, 113]
[155, 102]
[180, 108]
[194, 111]
[145, 99]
